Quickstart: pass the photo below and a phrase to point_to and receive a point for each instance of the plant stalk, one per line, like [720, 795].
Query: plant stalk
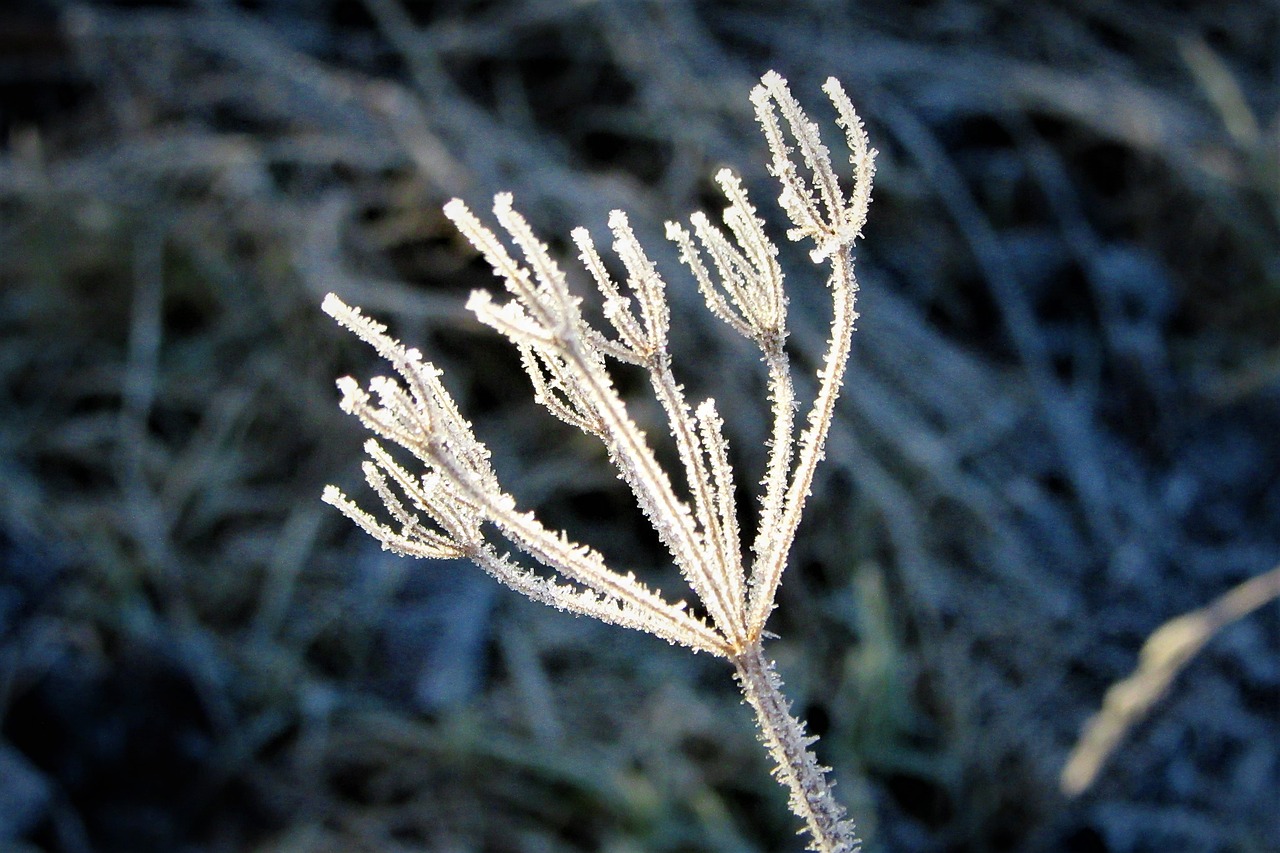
[798, 768]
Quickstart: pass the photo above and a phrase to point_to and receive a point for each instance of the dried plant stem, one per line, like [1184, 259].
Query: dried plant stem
[453, 508]
[798, 769]
[767, 574]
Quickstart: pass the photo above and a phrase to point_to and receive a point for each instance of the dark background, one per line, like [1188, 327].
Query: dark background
[1058, 432]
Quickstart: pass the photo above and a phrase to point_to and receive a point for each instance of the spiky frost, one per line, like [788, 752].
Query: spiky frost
[456, 505]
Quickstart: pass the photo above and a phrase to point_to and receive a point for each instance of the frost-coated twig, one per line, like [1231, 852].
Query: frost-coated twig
[455, 503]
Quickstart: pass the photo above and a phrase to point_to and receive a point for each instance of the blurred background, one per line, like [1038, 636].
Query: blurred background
[1060, 428]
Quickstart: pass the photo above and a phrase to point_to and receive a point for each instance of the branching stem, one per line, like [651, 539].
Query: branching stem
[457, 503]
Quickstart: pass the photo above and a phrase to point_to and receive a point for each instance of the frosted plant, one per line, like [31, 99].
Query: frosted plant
[453, 505]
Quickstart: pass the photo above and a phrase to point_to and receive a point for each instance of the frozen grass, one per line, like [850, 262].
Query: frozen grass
[1059, 433]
